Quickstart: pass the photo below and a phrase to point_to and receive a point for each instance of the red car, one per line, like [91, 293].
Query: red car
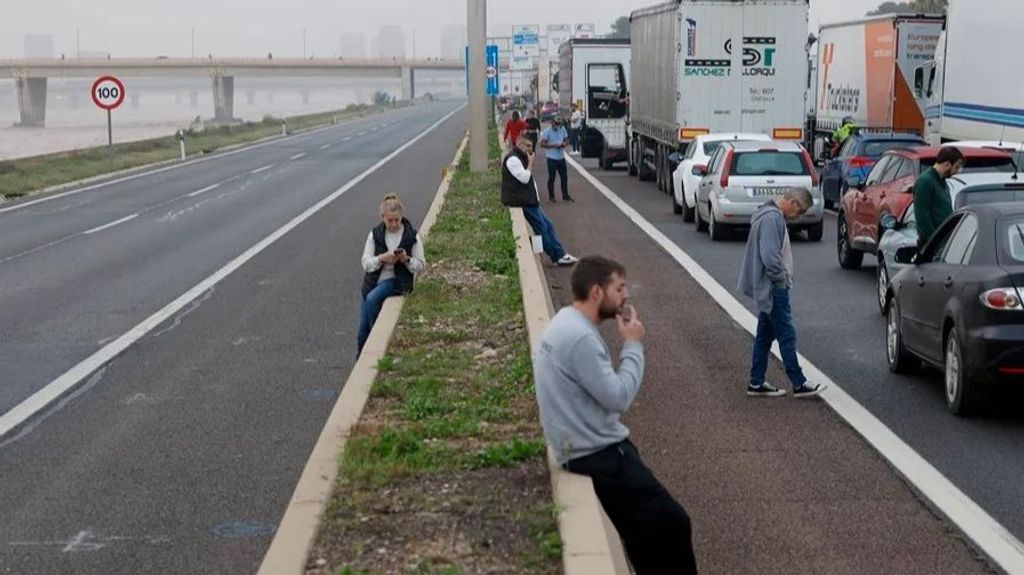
[889, 190]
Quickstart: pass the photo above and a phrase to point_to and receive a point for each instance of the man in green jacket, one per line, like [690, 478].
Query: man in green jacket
[932, 204]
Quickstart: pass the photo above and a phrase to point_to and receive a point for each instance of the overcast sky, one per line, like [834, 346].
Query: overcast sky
[255, 27]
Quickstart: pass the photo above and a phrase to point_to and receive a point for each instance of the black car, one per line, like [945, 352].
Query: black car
[958, 306]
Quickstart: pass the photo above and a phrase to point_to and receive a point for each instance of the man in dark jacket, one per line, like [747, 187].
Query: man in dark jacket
[519, 190]
[932, 204]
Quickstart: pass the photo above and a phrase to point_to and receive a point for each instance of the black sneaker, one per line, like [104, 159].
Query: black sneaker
[765, 390]
[552, 199]
[808, 390]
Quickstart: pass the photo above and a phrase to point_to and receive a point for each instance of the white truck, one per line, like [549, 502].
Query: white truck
[703, 66]
[975, 85]
[593, 74]
[866, 72]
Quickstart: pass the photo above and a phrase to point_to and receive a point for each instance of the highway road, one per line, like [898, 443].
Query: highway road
[841, 330]
[226, 291]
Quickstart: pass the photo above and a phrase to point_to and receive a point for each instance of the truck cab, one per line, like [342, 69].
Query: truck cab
[593, 74]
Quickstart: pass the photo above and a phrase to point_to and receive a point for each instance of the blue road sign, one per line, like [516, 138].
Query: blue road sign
[493, 85]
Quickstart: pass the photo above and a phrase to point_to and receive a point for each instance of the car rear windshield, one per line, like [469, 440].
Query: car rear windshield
[880, 147]
[976, 195]
[769, 163]
[1015, 240]
[978, 165]
[710, 147]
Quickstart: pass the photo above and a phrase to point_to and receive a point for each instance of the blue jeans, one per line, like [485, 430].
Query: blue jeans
[543, 227]
[776, 326]
[371, 309]
[561, 168]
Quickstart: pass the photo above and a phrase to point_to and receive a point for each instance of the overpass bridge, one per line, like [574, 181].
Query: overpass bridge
[31, 75]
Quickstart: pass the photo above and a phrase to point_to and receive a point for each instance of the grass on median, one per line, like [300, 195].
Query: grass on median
[23, 176]
[446, 472]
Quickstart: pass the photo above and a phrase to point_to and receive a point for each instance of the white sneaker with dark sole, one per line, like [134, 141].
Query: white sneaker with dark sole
[567, 260]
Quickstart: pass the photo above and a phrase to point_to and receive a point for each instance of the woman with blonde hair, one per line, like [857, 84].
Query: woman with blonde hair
[393, 255]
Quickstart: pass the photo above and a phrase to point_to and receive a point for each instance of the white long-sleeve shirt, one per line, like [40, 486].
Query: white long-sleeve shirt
[518, 170]
[371, 263]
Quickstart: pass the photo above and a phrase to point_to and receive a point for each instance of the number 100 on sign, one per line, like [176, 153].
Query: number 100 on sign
[107, 92]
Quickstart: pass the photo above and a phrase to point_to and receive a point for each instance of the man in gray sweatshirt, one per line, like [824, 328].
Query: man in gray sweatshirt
[767, 277]
[581, 396]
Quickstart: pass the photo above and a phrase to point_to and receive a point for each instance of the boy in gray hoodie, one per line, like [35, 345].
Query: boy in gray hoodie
[767, 277]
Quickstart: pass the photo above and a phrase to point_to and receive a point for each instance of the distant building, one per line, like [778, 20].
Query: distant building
[352, 45]
[391, 42]
[39, 46]
[453, 41]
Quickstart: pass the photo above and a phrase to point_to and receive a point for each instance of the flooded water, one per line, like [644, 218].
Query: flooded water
[160, 106]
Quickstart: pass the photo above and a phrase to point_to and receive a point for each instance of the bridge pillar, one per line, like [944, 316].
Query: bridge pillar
[305, 96]
[135, 98]
[223, 99]
[193, 99]
[32, 102]
[408, 84]
[250, 97]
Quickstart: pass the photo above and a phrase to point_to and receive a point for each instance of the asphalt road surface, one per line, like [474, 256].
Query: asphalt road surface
[181, 454]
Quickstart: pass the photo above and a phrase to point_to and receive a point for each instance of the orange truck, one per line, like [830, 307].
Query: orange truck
[866, 72]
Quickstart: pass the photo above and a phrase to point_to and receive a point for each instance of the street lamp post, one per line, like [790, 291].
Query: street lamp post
[193, 43]
[303, 43]
[476, 18]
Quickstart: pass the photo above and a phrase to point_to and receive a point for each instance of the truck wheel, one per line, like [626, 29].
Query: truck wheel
[631, 157]
[815, 232]
[606, 163]
[849, 258]
[646, 174]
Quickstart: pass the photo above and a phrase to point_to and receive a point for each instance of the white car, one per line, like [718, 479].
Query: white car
[685, 182]
[744, 175]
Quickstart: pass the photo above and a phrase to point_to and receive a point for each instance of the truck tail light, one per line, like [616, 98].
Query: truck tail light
[726, 167]
[687, 134]
[787, 134]
[1002, 299]
[810, 168]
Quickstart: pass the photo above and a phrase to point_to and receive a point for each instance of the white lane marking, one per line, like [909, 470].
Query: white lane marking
[60, 386]
[202, 191]
[110, 225]
[263, 169]
[375, 128]
[979, 526]
[346, 138]
[215, 156]
[363, 133]
[297, 156]
[325, 146]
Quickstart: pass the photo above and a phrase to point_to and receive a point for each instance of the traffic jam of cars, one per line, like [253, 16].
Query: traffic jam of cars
[858, 133]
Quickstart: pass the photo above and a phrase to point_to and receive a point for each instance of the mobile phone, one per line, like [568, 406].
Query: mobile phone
[399, 252]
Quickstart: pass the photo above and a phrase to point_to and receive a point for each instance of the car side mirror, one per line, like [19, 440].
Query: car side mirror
[889, 222]
[854, 183]
[906, 255]
[700, 170]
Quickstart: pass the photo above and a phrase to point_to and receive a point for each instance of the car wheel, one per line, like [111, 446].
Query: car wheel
[882, 284]
[688, 212]
[677, 208]
[815, 232]
[702, 226]
[961, 394]
[849, 258]
[899, 360]
[716, 230]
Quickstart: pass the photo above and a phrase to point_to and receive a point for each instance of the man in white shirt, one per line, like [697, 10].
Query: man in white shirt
[575, 128]
[519, 190]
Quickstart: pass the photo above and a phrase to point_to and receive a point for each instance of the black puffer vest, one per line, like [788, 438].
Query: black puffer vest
[515, 194]
[403, 276]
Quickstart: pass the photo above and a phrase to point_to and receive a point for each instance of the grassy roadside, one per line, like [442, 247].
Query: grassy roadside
[446, 471]
[23, 176]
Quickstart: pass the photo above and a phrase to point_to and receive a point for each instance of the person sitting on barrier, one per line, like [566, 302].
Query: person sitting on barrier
[393, 255]
[519, 190]
[581, 396]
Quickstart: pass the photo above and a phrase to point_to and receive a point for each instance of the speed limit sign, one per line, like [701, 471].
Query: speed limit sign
[107, 92]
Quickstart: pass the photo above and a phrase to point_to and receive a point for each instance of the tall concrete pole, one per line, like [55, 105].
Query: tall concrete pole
[477, 24]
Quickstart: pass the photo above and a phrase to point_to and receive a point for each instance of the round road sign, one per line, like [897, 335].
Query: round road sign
[492, 72]
[107, 92]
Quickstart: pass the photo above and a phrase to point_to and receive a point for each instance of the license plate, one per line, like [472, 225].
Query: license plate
[765, 191]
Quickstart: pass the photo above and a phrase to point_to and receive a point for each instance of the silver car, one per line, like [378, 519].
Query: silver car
[964, 190]
[743, 175]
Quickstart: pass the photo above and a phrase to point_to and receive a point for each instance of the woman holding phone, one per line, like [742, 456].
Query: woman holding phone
[393, 255]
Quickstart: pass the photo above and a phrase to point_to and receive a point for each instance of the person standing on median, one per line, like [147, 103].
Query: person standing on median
[932, 203]
[767, 277]
[581, 396]
[554, 140]
[519, 190]
[392, 256]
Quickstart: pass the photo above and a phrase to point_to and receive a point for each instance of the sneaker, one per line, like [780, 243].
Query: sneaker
[569, 199]
[765, 390]
[552, 199]
[808, 390]
[567, 260]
